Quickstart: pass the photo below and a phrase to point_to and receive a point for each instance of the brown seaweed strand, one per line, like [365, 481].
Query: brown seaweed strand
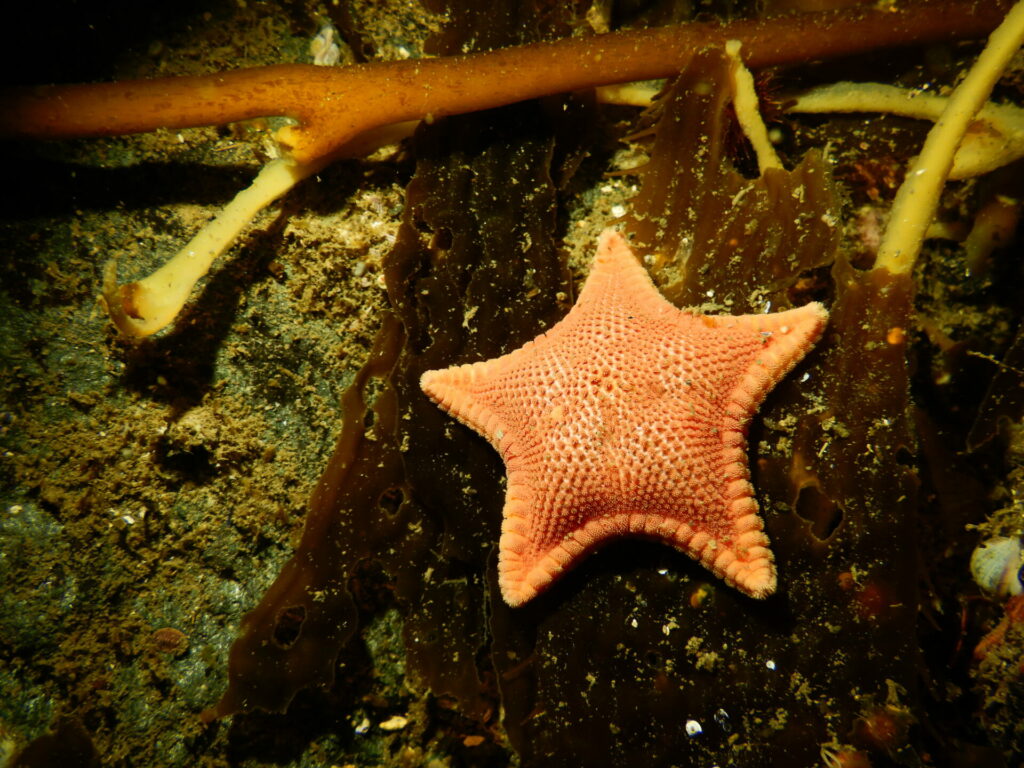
[700, 217]
[291, 640]
[333, 106]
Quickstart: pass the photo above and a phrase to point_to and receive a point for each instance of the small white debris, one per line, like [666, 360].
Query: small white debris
[722, 718]
[618, 211]
[363, 727]
[770, 664]
[323, 48]
[693, 728]
[395, 723]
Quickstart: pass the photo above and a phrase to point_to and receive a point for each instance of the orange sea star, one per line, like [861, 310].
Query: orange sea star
[629, 417]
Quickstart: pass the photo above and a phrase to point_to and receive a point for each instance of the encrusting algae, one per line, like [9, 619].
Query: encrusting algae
[384, 638]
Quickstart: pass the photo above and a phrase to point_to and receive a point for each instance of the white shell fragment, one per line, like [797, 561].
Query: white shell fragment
[996, 566]
[323, 48]
[394, 723]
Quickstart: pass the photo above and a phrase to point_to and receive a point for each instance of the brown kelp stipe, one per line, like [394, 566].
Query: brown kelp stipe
[335, 105]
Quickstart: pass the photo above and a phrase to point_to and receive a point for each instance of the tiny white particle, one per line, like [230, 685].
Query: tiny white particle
[770, 664]
[618, 211]
[394, 723]
[693, 728]
[323, 49]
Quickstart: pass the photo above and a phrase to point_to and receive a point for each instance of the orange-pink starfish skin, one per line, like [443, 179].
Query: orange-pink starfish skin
[629, 417]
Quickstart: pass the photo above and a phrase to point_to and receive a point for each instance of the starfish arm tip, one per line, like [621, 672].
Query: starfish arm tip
[431, 382]
[759, 581]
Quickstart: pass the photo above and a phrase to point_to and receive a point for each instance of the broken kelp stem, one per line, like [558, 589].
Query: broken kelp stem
[745, 103]
[918, 196]
[334, 105]
[143, 307]
[995, 138]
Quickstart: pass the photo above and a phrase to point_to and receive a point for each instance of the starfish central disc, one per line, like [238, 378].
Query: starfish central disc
[629, 418]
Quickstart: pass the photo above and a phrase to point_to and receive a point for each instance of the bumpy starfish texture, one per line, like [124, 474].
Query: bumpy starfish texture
[629, 417]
